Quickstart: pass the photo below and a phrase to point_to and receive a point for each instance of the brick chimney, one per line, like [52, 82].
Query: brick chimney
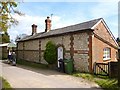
[34, 29]
[47, 24]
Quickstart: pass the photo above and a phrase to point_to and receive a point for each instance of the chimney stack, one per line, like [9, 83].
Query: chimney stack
[34, 29]
[47, 24]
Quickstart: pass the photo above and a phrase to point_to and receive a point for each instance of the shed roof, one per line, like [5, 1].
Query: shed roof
[69, 29]
[4, 44]
[8, 45]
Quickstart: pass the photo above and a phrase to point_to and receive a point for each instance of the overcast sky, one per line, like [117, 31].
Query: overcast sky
[64, 14]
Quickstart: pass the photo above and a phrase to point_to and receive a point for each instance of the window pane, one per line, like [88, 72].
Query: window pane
[106, 53]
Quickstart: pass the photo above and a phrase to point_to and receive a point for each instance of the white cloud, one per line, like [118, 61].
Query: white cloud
[107, 10]
[71, 0]
[25, 22]
[104, 9]
[24, 25]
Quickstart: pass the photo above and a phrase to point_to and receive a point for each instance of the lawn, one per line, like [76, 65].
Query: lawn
[104, 81]
[5, 84]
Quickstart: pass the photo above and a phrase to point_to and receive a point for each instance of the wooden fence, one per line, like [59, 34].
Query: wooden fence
[108, 69]
[113, 69]
[101, 68]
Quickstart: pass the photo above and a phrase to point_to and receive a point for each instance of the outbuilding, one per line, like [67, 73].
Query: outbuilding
[5, 48]
[86, 43]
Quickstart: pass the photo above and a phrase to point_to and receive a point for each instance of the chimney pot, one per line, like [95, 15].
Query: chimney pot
[47, 24]
[34, 29]
[48, 17]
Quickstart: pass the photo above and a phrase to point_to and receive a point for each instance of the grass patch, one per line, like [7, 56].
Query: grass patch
[32, 64]
[103, 81]
[108, 84]
[5, 84]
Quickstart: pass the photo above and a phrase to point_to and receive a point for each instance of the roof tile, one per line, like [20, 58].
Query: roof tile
[72, 28]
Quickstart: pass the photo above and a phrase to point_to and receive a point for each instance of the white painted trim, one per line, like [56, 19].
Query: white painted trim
[106, 58]
[96, 24]
[3, 45]
[102, 20]
[60, 54]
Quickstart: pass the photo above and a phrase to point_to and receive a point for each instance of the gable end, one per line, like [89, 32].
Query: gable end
[102, 30]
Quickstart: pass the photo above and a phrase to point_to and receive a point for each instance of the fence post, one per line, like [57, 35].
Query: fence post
[119, 66]
[94, 68]
[109, 69]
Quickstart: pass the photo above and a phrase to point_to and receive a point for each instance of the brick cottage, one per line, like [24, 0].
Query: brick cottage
[86, 43]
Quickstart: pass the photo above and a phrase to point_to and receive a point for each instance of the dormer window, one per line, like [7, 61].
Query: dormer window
[106, 53]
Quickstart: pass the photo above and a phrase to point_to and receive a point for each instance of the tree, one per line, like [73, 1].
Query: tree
[5, 38]
[118, 41]
[20, 36]
[50, 54]
[7, 8]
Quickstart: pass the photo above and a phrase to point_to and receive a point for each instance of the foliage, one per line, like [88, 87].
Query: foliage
[84, 75]
[7, 8]
[5, 84]
[5, 38]
[118, 41]
[104, 81]
[50, 54]
[20, 36]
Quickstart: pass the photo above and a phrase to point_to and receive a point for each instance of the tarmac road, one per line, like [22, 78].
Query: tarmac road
[24, 77]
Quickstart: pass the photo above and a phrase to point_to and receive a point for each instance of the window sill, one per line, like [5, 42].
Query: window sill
[106, 59]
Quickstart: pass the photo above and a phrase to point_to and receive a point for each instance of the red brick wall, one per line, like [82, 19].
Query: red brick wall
[102, 31]
[100, 40]
[98, 47]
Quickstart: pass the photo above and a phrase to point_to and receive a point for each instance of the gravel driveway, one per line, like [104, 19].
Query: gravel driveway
[24, 77]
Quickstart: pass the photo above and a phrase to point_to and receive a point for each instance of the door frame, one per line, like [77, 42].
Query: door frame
[59, 46]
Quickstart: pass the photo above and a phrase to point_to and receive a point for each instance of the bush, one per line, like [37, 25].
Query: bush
[50, 54]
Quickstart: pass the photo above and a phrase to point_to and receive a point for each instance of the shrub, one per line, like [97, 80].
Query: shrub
[50, 54]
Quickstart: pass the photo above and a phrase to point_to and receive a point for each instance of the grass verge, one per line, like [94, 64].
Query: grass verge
[32, 64]
[103, 81]
[5, 84]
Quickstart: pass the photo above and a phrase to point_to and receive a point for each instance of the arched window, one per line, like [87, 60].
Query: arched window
[106, 53]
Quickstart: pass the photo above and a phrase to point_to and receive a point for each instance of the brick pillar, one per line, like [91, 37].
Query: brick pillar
[17, 51]
[39, 50]
[71, 48]
[90, 52]
[23, 49]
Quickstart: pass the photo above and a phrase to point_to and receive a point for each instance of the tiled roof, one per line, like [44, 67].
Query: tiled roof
[69, 29]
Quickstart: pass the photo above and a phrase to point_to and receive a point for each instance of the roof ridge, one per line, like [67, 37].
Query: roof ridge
[71, 28]
[79, 23]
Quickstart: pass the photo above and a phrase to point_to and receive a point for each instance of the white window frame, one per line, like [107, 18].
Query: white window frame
[106, 53]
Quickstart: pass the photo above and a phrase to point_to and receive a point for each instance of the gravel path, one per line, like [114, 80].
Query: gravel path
[24, 77]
